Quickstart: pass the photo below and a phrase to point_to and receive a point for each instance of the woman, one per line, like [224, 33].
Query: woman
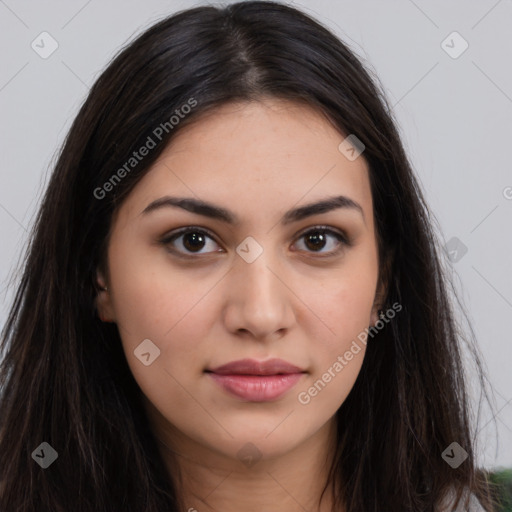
[233, 298]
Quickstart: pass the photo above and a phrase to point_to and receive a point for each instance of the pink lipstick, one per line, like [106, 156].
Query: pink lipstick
[257, 381]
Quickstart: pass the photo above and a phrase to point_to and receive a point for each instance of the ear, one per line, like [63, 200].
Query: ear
[103, 300]
[382, 290]
[377, 304]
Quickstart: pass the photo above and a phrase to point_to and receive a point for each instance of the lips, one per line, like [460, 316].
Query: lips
[256, 381]
[253, 367]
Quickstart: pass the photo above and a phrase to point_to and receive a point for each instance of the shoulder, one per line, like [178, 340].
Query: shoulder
[473, 506]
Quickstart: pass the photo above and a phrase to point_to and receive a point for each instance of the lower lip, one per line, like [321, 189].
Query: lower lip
[257, 388]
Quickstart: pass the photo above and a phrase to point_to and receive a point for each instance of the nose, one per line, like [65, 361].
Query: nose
[259, 301]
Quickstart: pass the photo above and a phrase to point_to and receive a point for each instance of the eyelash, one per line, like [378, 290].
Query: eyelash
[340, 236]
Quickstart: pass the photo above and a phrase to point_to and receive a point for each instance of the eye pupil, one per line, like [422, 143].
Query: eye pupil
[193, 241]
[197, 240]
[316, 236]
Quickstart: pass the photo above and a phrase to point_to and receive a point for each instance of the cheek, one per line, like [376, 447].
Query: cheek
[154, 301]
[151, 297]
[344, 305]
[173, 311]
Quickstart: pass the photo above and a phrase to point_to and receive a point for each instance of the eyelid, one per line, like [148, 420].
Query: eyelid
[171, 236]
[342, 236]
[322, 227]
[344, 241]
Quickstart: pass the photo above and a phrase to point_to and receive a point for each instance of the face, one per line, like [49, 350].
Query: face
[264, 278]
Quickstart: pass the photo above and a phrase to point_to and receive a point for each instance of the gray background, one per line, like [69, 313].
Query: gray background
[454, 114]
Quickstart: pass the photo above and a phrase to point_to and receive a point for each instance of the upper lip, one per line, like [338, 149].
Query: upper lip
[254, 367]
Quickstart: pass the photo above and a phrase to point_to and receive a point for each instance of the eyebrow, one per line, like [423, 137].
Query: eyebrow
[200, 207]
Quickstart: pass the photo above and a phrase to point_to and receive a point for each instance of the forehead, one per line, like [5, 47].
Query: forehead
[269, 154]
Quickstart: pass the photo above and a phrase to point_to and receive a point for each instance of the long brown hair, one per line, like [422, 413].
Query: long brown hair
[64, 377]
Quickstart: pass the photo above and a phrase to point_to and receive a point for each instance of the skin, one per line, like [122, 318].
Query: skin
[258, 160]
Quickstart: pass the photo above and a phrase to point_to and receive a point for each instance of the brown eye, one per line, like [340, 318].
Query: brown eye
[191, 240]
[317, 239]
